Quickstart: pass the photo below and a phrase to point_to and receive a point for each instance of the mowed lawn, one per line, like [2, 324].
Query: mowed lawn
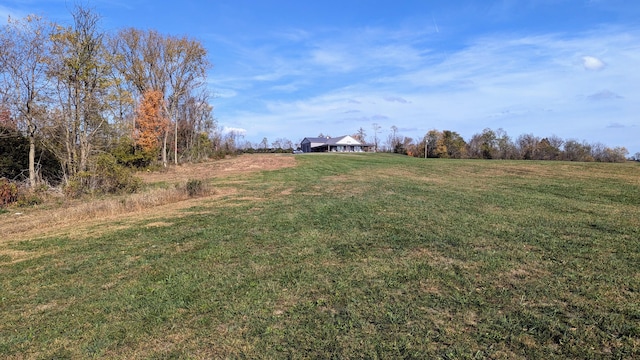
[347, 256]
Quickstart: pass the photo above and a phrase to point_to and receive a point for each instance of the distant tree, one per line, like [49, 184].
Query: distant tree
[430, 141]
[483, 145]
[489, 144]
[456, 147]
[546, 150]
[527, 146]
[394, 140]
[376, 130]
[360, 135]
[264, 144]
[506, 149]
[576, 151]
[618, 154]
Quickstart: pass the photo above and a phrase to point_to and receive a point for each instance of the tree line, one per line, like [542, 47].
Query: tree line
[74, 99]
[496, 144]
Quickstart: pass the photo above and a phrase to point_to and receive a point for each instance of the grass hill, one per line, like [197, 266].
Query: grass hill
[345, 256]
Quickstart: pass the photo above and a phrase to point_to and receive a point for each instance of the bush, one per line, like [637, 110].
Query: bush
[8, 192]
[32, 196]
[195, 188]
[107, 176]
[129, 155]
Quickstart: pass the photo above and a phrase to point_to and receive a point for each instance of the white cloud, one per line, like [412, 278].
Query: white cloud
[239, 131]
[592, 63]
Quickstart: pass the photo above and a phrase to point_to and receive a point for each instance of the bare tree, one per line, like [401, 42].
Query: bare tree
[24, 47]
[80, 70]
[394, 140]
[376, 130]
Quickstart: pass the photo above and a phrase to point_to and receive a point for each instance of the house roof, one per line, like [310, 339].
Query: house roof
[322, 140]
[343, 140]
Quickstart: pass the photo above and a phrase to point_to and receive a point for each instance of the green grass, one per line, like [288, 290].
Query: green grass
[350, 256]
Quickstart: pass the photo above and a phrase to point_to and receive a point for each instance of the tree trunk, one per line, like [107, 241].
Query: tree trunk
[164, 149]
[175, 143]
[32, 158]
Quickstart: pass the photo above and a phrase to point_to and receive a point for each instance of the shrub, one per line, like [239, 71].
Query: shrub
[195, 188]
[8, 192]
[107, 176]
[129, 155]
[29, 198]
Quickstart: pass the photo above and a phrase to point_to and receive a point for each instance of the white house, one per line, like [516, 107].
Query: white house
[339, 144]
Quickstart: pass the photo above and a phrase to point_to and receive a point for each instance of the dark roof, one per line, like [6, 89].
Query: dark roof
[317, 139]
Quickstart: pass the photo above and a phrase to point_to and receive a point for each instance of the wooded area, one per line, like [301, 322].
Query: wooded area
[73, 97]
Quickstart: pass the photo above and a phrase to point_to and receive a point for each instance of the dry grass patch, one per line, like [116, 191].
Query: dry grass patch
[247, 163]
[72, 217]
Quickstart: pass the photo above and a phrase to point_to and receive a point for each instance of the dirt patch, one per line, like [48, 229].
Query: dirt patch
[220, 168]
[91, 218]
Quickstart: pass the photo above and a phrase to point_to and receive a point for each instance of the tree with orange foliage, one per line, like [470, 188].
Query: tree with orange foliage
[151, 121]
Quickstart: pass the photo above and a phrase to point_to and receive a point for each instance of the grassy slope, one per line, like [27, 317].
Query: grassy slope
[351, 256]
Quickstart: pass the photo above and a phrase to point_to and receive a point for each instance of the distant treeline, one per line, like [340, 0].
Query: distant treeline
[496, 144]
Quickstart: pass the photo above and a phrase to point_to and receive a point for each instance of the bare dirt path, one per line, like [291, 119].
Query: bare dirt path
[221, 168]
[73, 218]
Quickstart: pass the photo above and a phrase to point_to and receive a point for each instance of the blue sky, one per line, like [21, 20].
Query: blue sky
[291, 69]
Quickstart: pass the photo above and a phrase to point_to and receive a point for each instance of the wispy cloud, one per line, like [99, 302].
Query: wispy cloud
[396, 99]
[604, 95]
[6, 12]
[592, 63]
[523, 84]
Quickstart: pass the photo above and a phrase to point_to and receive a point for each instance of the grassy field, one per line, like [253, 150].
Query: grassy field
[347, 256]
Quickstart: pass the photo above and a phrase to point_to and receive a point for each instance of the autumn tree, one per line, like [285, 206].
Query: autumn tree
[151, 122]
[24, 47]
[6, 120]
